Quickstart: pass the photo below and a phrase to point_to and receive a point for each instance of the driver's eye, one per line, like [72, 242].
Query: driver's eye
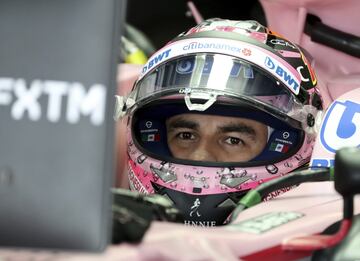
[234, 141]
[185, 135]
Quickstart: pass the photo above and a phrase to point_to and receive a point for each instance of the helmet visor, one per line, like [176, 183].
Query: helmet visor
[216, 73]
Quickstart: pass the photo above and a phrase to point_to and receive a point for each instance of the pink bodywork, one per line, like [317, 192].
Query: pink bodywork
[337, 72]
[317, 205]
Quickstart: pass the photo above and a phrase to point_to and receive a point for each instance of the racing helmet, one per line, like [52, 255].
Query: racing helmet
[223, 68]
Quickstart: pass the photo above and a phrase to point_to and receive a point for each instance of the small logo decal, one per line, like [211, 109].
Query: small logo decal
[246, 51]
[194, 208]
[286, 135]
[148, 124]
[272, 169]
[278, 147]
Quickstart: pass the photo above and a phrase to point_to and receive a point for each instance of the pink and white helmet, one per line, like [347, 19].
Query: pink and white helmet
[227, 68]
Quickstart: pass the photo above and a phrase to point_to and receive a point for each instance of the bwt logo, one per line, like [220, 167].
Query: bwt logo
[24, 100]
[341, 126]
[154, 61]
[287, 78]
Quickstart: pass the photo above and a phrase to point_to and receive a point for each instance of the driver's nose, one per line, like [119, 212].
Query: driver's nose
[204, 152]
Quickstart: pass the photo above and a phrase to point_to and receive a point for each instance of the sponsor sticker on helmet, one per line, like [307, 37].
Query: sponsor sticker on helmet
[287, 78]
[282, 42]
[134, 183]
[149, 131]
[279, 68]
[154, 60]
[194, 209]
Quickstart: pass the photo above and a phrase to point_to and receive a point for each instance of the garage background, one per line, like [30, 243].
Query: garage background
[161, 20]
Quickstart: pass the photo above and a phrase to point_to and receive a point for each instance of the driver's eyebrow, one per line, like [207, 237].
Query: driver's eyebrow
[183, 123]
[238, 127]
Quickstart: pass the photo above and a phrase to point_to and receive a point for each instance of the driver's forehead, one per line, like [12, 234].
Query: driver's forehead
[199, 121]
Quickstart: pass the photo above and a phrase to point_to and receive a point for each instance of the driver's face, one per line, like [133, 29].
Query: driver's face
[215, 138]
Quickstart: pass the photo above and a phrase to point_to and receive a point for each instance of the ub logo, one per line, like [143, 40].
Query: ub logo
[341, 126]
